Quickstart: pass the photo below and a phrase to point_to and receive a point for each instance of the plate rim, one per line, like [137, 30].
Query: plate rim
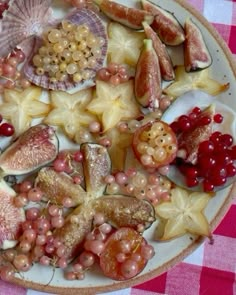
[192, 247]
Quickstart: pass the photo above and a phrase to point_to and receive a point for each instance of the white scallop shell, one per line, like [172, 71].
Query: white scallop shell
[23, 19]
[78, 16]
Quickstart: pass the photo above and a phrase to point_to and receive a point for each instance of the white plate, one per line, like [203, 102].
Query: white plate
[168, 253]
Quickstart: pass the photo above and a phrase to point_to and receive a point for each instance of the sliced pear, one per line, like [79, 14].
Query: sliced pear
[185, 82]
[20, 107]
[114, 103]
[184, 213]
[69, 111]
[124, 44]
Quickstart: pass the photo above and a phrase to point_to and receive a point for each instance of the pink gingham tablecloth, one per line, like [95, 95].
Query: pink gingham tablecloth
[210, 270]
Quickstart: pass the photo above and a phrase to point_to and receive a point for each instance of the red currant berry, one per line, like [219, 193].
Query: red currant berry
[203, 121]
[220, 147]
[6, 129]
[196, 110]
[206, 147]
[175, 127]
[184, 123]
[218, 118]
[227, 139]
[219, 180]
[191, 172]
[231, 170]
[207, 186]
[191, 182]
[215, 137]
[223, 158]
[233, 152]
[206, 163]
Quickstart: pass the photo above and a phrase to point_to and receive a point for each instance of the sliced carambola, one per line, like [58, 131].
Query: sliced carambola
[166, 67]
[196, 53]
[131, 17]
[148, 77]
[165, 24]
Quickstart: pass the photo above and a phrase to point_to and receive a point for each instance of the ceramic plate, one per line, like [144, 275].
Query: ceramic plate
[167, 253]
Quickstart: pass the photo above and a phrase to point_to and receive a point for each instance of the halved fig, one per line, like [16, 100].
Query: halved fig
[196, 53]
[165, 24]
[58, 186]
[166, 67]
[130, 17]
[36, 147]
[77, 225]
[122, 211]
[155, 144]
[189, 140]
[147, 85]
[96, 166]
[11, 217]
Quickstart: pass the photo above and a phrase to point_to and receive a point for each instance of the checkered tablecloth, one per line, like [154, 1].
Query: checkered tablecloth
[210, 270]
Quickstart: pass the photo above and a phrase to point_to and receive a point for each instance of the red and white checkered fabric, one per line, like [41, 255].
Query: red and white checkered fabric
[211, 269]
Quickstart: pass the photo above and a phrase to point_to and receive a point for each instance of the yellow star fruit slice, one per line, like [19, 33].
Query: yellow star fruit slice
[21, 106]
[114, 103]
[124, 45]
[194, 80]
[69, 111]
[184, 214]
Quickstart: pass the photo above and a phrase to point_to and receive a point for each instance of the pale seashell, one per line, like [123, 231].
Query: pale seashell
[23, 19]
[80, 16]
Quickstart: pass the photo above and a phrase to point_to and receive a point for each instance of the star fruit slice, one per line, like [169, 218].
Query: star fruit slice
[184, 213]
[114, 103]
[69, 111]
[201, 80]
[124, 44]
[20, 107]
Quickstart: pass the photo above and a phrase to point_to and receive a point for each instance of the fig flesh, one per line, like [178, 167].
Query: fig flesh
[57, 186]
[190, 140]
[96, 166]
[125, 211]
[147, 85]
[165, 24]
[11, 217]
[166, 67]
[130, 17]
[196, 54]
[36, 147]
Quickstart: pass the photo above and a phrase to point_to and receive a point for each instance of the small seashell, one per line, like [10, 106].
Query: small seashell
[22, 20]
[96, 26]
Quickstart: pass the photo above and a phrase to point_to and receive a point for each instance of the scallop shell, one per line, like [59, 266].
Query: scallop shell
[79, 17]
[23, 19]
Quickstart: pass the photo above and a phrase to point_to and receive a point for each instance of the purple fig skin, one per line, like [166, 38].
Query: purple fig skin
[196, 54]
[147, 85]
[166, 66]
[130, 17]
[36, 147]
[165, 24]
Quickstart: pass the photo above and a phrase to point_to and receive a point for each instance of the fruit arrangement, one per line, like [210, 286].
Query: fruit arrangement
[97, 141]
